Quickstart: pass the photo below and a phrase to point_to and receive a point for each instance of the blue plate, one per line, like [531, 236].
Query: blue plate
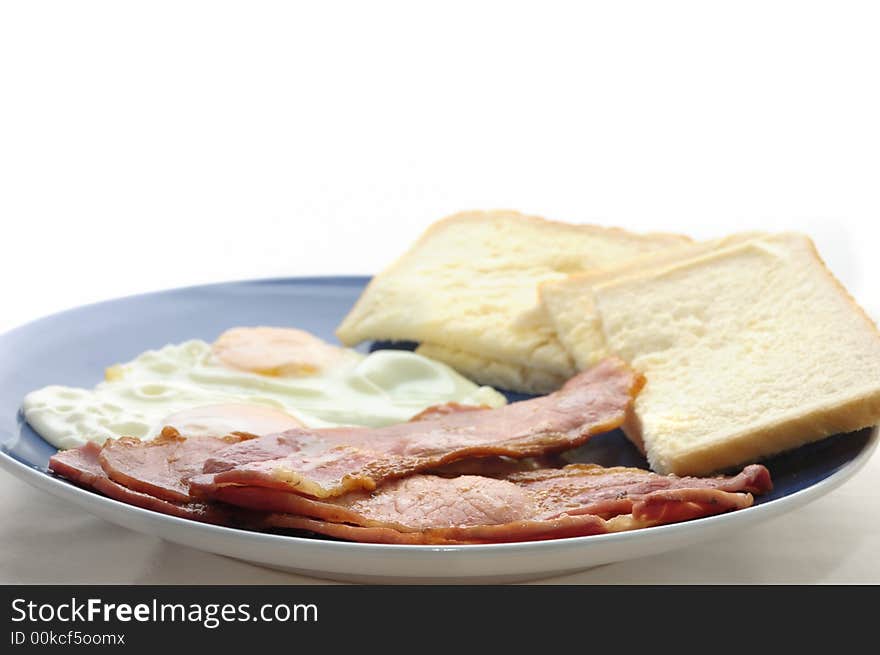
[73, 348]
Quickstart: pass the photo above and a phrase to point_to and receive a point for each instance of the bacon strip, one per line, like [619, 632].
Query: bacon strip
[573, 526]
[82, 465]
[678, 505]
[162, 467]
[444, 409]
[608, 492]
[578, 500]
[330, 462]
[327, 481]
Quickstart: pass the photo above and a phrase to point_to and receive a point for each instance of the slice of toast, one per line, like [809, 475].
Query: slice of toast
[469, 284]
[748, 351]
[568, 302]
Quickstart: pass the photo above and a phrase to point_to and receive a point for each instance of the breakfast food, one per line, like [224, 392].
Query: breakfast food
[223, 418]
[467, 290]
[330, 462]
[719, 328]
[199, 391]
[162, 467]
[504, 375]
[82, 465]
[365, 484]
[277, 352]
[543, 494]
[748, 351]
[578, 500]
[569, 306]
[711, 356]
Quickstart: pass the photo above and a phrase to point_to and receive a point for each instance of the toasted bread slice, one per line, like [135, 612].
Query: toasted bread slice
[469, 284]
[748, 351]
[568, 302]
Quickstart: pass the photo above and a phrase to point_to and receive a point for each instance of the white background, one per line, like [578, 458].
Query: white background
[155, 144]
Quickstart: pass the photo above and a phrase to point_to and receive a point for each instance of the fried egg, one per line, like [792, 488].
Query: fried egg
[258, 380]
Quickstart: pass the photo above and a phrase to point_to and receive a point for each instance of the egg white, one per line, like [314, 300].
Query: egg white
[384, 387]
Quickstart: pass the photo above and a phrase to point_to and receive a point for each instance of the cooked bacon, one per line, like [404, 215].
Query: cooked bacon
[429, 510]
[677, 505]
[163, 466]
[655, 509]
[578, 500]
[330, 462]
[444, 409]
[327, 481]
[496, 467]
[607, 492]
[82, 465]
[571, 526]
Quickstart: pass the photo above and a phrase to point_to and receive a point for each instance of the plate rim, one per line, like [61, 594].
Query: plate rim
[305, 279]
